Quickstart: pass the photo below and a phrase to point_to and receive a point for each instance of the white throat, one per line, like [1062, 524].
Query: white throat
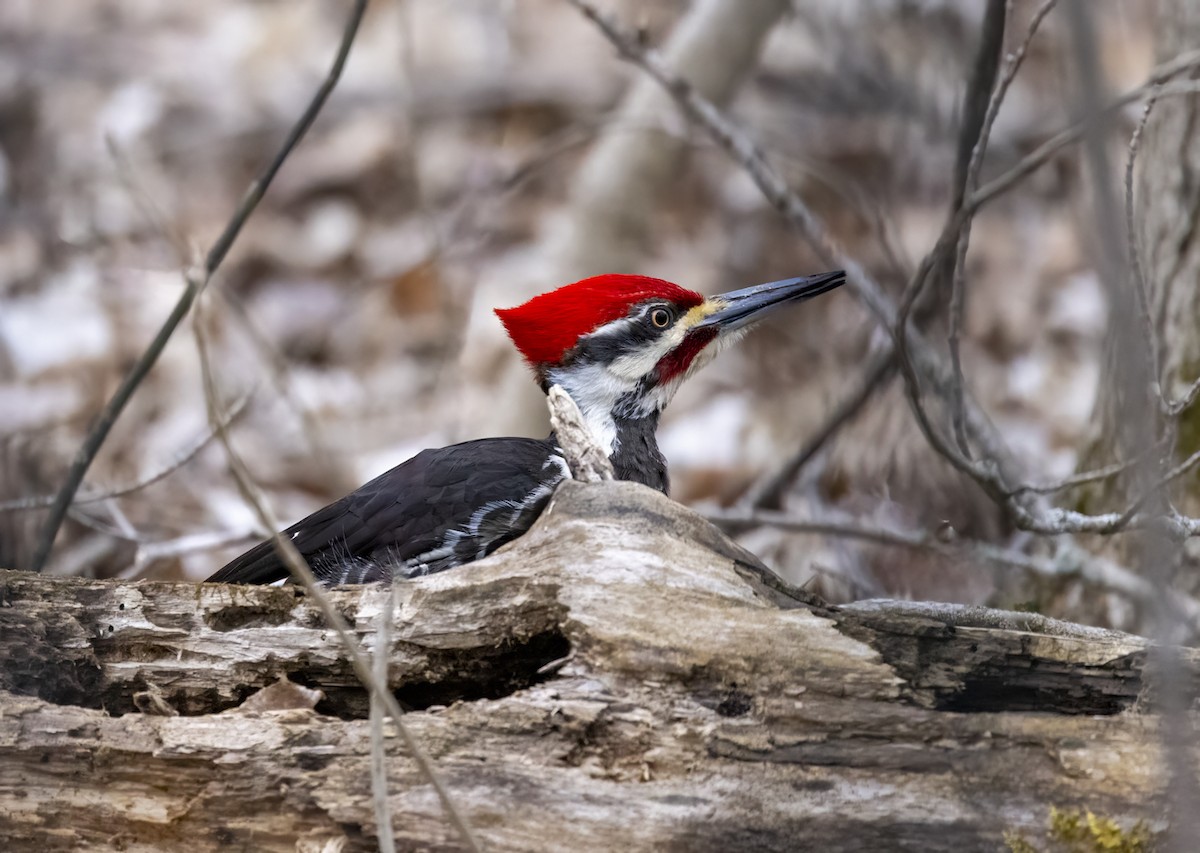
[596, 391]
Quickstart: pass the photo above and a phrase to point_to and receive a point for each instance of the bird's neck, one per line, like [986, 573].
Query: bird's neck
[621, 419]
[632, 448]
[635, 454]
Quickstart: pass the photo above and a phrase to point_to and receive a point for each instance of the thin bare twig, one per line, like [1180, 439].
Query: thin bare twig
[1132, 379]
[193, 285]
[990, 49]
[379, 780]
[950, 252]
[150, 209]
[149, 553]
[279, 374]
[1034, 160]
[1181, 404]
[1170, 408]
[768, 492]
[182, 458]
[302, 574]
[150, 549]
[1086, 477]
[284, 383]
[1135, 261]
[113, 529]
[979, 106]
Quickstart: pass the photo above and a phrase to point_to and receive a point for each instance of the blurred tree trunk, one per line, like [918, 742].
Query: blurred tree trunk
[1165, 225]
[621, 185]
[1166, 230]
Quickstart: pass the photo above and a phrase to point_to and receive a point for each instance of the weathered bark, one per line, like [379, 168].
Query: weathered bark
[702, 705]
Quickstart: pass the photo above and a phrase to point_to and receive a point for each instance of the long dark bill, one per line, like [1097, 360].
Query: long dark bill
[740, 307]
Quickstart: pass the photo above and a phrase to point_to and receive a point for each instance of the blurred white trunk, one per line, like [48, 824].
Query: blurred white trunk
[617, 193]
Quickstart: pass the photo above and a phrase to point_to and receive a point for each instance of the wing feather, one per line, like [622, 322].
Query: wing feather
[421, 507]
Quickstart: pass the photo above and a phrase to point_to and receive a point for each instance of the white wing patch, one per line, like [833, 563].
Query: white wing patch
[495, 520]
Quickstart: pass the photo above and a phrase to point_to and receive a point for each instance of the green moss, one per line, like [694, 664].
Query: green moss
[1017, 843]
[1073, 831]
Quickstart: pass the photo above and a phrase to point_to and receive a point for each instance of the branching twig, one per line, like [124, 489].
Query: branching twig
[150, 552]
[1132, 380]
[1170, 408]
[1029, 516]
[182, 458]
[1181, 404]
[768, 492]
[746, 153]
[1146, 315]
[995, 471]
[194, 283]
[302, 574]
[915, 353]
[1034, 160]
[989, 55]
[283, 382]
[977, 123]
[1105, 473]
[950, 251]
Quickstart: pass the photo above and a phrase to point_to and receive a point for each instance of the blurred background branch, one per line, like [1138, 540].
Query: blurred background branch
[195, 280]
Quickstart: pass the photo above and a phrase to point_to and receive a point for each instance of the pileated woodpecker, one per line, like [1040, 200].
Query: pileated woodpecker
[620, 345]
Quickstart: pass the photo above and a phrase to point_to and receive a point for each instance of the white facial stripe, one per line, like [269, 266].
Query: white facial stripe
[596, 388]
[613, 327]
[637, 365]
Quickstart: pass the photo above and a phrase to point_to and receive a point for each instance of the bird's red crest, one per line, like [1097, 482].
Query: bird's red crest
[545, 327]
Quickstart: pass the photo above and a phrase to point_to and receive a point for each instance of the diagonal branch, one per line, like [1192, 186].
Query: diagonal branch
[193, 285]
[1041, 155]
[916, 354]
[181, 458]
[768, 492]
[1096, 572]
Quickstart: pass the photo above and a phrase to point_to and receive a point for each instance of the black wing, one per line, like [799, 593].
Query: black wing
[440, 509]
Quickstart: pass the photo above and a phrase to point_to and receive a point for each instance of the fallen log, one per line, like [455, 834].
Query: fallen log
[621, 677]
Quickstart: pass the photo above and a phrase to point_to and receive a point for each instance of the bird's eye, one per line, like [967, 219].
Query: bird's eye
[660, 317]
